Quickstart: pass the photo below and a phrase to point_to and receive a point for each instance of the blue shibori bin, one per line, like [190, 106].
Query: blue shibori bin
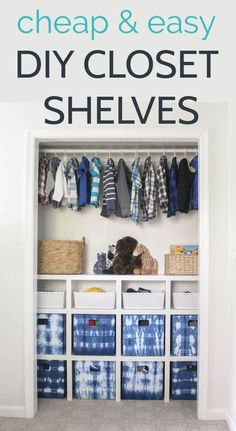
[51, 379]
[50, 334]
[94, 334]
[184, 338]
[184, 380]
[142, 380]
[95, 380]
[143, 335]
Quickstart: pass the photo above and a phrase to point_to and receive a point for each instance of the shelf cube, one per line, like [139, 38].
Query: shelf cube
[51, 378]
[184, 380]
[142, 380]
[94, 334]
[50, 334]
[143, 335]
[184, 337]
[94, 380]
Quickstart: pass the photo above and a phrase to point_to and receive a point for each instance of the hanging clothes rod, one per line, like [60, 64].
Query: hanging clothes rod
[117, 151]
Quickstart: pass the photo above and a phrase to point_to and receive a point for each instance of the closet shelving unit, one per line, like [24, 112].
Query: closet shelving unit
[118, 283]
[102, 149]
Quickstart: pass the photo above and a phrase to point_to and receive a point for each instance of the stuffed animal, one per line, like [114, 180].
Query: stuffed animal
[124, 261]
[149, 264]
[100, 265]
[110, 258]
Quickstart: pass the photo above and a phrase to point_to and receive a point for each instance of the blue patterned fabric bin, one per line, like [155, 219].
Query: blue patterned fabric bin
[95, 380]
[184, 380]
[94, 334]
[184, 335]
[142, 380]
[143, 335]
[51, 377]
[51, 334]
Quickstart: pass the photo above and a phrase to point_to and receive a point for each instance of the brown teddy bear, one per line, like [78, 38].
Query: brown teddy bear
[124, 261]
[148, 265]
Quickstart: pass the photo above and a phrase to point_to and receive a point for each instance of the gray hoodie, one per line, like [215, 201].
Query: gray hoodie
[123, 189]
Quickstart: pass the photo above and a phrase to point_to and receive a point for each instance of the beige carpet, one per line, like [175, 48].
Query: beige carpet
[60, 415]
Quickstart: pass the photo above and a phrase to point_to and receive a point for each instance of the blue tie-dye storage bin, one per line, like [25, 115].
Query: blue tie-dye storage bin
[143, 335]
[184, 380]
[51, 334]
[184, 338]
[94, 380]
[94, 334]
[142, 380]
[51, 379]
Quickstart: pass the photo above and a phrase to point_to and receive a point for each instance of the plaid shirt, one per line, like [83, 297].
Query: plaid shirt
[135, 213]
[173, 189]
[149, 191]
[162, 189]
[42, 195]
[70, 173]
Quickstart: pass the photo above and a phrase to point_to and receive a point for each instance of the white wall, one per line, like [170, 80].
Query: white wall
[15, 119]
[157, 234]
[231, 381]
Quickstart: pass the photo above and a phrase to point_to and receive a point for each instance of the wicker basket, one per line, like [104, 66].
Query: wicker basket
[181, 264]
[61, 257]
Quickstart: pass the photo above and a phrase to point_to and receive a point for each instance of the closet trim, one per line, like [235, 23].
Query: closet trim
[164, 137]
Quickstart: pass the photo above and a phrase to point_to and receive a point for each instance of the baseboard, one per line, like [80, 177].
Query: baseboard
[12, 411]
[222, 414]
[231, 424]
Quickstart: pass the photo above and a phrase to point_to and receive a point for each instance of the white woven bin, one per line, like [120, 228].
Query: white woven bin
[101, 300]
[149, 301]
[185, 300]
[50, 299]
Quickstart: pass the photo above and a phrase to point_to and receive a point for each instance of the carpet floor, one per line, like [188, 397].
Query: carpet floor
[60, 415]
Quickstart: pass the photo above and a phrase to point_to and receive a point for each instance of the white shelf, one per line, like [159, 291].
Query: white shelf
[52, 310]
[74, 277]
[118, 280]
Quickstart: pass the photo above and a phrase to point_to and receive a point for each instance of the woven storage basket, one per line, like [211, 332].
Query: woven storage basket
[49, 299]
[137, 301]
[103, 300]
[61, 257]
[181, 264]
[185, 300]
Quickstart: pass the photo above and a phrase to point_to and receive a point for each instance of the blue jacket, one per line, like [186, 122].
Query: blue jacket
[84, 182]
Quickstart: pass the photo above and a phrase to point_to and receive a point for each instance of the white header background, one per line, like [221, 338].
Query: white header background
[221, 87]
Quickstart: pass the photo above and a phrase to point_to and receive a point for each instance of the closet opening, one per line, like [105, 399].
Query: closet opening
[163, 308]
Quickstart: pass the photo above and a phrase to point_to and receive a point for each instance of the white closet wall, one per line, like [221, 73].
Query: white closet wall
[157, 234]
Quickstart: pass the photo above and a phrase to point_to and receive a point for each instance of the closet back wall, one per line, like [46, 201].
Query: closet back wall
[157, 234]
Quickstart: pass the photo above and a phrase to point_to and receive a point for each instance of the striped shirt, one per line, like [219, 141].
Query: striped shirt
[109, 205]
[95, 171]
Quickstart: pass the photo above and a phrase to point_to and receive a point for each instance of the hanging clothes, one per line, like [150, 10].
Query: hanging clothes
[162, 186]
[95, 171]
[85, 184]
[109, 205]
[123, 189]
[43, 168]
[60, 194]
[173, 189]
[194, 191]
[135, 203]
[185, 180]
[54, 162]
[71, 177]
[149, 191]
